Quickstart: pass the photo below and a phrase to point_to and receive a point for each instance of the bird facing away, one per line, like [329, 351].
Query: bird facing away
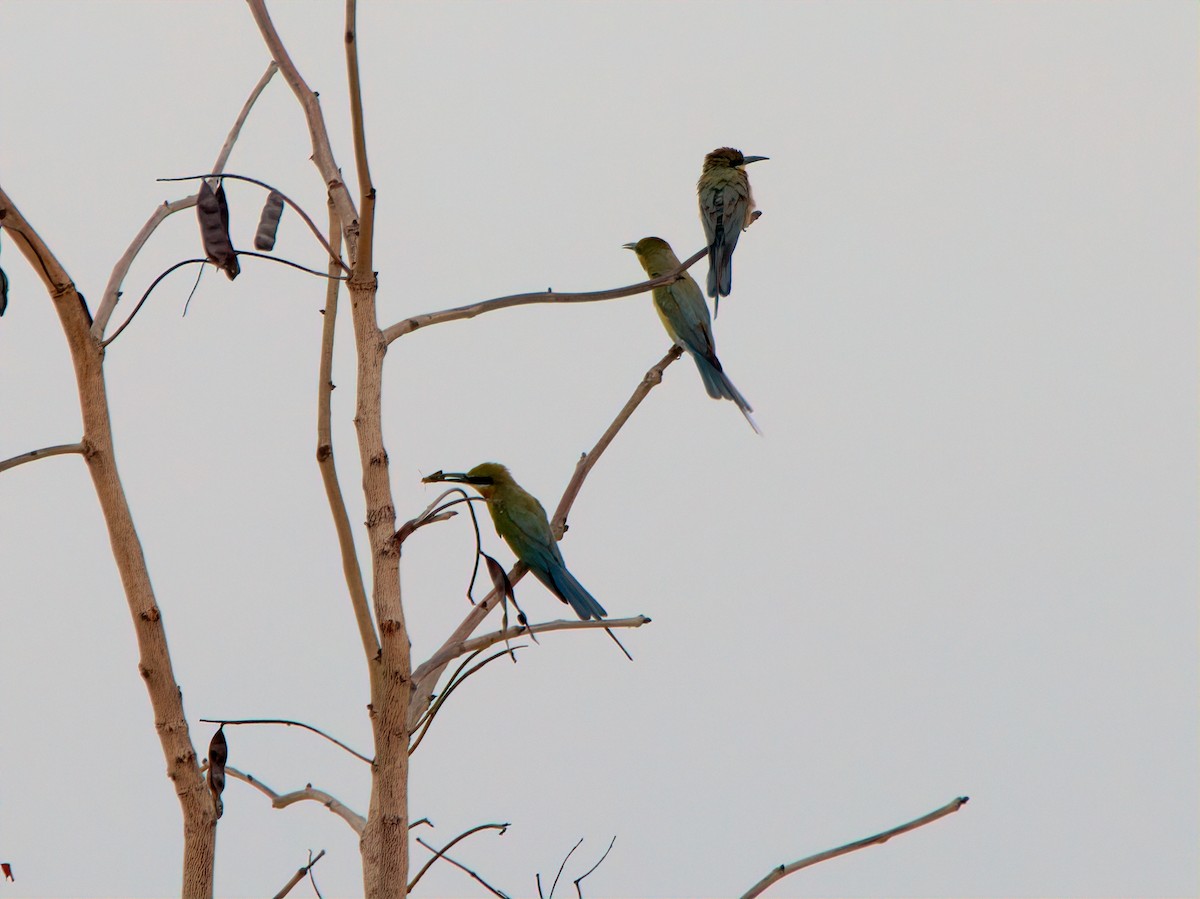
[684, 314]
[522, 522]
[726, 210]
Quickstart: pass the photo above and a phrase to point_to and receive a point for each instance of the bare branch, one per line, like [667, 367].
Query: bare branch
[650, 380]
[431, 514]
[236, 130]
[566, 859]
[61, 450]
[452, 651]
[429, 671]
[783, 871]
[288, 723]
[355, 820]
[524, 299]
[452, 685]
[366, 189]
[299, 875]
[578, 880]
[462, 836]
[462, 867]
[322, 151]
[325, 462]
[108, 302]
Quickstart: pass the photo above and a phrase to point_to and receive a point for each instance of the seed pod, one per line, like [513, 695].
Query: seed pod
[218, 754]
[499, 576]
[268, 222]
[212, 211]
[3, 291]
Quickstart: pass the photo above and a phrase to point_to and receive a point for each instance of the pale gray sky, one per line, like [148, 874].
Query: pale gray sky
[962, 559]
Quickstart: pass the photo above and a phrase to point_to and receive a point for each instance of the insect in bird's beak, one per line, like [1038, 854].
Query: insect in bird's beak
[455, 477]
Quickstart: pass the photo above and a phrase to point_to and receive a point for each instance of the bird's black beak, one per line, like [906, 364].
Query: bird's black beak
[630, 246]
[455, 477]
[749, 159]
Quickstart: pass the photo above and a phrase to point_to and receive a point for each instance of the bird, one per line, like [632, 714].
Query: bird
[726, 210]
[684, 314]
[521, 520]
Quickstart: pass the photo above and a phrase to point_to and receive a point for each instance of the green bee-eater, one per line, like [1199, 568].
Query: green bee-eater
[685, 315]
[522, 522]
[726, 210]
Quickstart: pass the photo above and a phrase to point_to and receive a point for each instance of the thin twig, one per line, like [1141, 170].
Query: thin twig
[290, 723]
[462, 867]
[312, 878]
[565, 859]
[351, 570]
[283, 800]
[108, 302]
[462, 836]
[580, 878]
[448, 653]
[399, 329]
[430, 670]
[61, 449]
[146, 296]
[299, 875]
[433, 513]
[783, 871]
[451, 686]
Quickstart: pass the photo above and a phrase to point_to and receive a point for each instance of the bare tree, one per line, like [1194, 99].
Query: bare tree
[404, 697]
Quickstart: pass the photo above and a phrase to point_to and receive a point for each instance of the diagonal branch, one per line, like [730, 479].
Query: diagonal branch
[299, 875]
[462, 836]
[651, 379]
[426, 674]
[278, 800]
[462, 867]
[783, 871]
[108, 302]
[524, 299]
[43, 453]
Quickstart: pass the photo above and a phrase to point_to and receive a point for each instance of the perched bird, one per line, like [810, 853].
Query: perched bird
[522, 522]
[684, 314]
[726, 210]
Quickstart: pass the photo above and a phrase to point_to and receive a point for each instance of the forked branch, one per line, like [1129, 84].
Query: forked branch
[299, 875]
[108, 302]
[783, 871]
[426, 675]
[322, 151]
[351, 571]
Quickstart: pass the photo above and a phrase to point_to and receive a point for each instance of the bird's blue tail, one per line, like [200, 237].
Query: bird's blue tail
[569, 590]
[719, 387]
[720, 271]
